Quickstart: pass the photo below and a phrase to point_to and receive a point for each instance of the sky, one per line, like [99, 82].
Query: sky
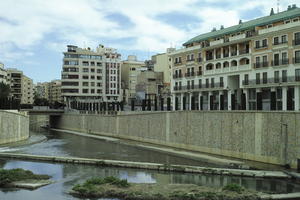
[34, 33]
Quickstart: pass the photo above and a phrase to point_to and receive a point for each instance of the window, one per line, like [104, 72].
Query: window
[297, 56]
[99, 91]
[212, 80]
[276, 76]
[257, 44]
[98, 84]
[99, 71]
[221, 82]
[99, 78]
[92, 77]
[297, 38]
[92, 84]
[207, 83]
[85, 91]
[276, 40]
[265, 61]
[92, 70]
[257, 62]
[284, 75]
[265, 77]
[99, 64]
[276, 59]
[264, 43]
[246, 79]
[85, 63]
[85, 77]
[92, 63]
[193, 84]
[85, 70]
[200, 83]
[188, 84]
[284, 39]
[85, 83]
[297, 75]
[284, 57]
[92, 91]
[257, 78]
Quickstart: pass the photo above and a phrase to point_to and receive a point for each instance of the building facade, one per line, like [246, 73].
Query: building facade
[254, 65]
[91, 76]
[3, 73]
[21, 86]
[55, 91]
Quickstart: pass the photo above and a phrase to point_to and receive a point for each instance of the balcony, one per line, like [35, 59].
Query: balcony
[209, 57]
[280, 62]
[254, 82]
[237, 37]
[199, 73]
[296, 42]
[225, 55]
[190, 60]
[233, 53]
[177, 76]
[218, 56]
[261, 47]
[279, 27]
[189, 74]
[279, 43]
[199, 60]
[261, 64]
[244, 51]
[217, 42]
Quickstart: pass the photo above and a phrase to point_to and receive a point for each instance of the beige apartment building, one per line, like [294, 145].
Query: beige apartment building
[254, 65]
[91, 76]
[42, 90]
[55, 91]
[21, 86]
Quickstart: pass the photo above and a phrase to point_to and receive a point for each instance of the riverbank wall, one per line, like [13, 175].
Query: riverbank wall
[269, 137]
[14, 126]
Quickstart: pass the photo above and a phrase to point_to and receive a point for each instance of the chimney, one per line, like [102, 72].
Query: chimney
[289, 7]
[240, 22]
[222, 27]
[272, 12]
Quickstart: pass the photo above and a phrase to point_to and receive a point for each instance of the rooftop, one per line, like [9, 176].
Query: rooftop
[290, 13]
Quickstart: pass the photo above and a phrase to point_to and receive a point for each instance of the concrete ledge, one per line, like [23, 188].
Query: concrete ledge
[151, 166]
[289, 196]
[30, 184]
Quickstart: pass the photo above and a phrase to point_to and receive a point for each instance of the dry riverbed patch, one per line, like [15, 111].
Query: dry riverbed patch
[111, 187]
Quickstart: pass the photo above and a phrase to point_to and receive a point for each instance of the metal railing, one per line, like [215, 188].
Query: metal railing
[280, 62]
[244, 51]
[296, 42]
[261, 64]
[288, 79]
[281, 42]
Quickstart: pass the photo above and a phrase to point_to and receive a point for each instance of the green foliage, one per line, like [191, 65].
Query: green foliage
[233, 188]
[11, 175]
[41, 101]
[89, 187]
[4, 90]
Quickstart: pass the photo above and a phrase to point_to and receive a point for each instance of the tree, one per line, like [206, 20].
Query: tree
[41, 102]
[4, 90]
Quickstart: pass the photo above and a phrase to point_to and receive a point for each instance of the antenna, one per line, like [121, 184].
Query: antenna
[278, 6]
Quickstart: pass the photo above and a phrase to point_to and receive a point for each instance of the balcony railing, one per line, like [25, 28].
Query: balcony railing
[209, 57]
[225, 55]
[261, 47]
[189, 74]
[190, 60]
[234, 53]
[199, 73]
[280, 62]
[178, 62]
[218, 56]
[296, 42]
[281, 42]
[261, 64]
[244, 51]
[177, 75]
[199, 60]
[296, 60]
[278, 80]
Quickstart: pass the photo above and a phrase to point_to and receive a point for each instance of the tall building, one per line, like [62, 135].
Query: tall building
[130, 67]
[254, 65]
[91, 76]
[21, 86]
[42, 90]
[55, 91]
[3, 73]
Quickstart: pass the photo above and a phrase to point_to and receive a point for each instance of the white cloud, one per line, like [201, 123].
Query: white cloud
[29, 23]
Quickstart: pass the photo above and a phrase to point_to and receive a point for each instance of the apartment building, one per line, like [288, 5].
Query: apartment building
[55, 91]
[42, 90]
[254, 65]
[91, 76]
[3, 73]
[128, 76]
[21, 86]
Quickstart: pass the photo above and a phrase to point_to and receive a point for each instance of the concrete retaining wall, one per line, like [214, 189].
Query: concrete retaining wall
[14, 127]
[270, 137]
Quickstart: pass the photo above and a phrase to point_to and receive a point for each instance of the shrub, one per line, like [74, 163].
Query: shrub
[234, 188]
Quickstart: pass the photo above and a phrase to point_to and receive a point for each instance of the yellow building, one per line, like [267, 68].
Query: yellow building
[254, 65]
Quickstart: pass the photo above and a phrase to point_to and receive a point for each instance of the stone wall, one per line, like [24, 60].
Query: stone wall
[14, 127]
[270, 137]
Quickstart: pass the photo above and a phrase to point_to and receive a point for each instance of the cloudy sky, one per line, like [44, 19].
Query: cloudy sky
[34, 33]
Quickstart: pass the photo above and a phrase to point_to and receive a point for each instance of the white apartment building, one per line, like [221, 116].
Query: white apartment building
[91, 76]
[254, 65]
[3, 73]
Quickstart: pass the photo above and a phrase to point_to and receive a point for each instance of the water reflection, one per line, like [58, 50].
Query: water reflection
[64, 144]
[66, 175]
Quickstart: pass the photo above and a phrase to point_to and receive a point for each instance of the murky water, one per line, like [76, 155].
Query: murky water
[66, 175]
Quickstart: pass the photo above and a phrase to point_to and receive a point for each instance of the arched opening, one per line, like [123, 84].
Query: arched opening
[209, 66]
[233, 63]
[218, 66]
[225, 64]
[244, 61]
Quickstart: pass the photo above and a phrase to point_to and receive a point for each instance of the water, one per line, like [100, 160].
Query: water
[67, 175]
[64, 144]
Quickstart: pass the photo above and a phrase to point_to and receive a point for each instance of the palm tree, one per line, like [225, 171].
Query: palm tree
[4, 90]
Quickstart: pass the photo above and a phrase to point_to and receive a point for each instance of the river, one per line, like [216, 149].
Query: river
[66, 175]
